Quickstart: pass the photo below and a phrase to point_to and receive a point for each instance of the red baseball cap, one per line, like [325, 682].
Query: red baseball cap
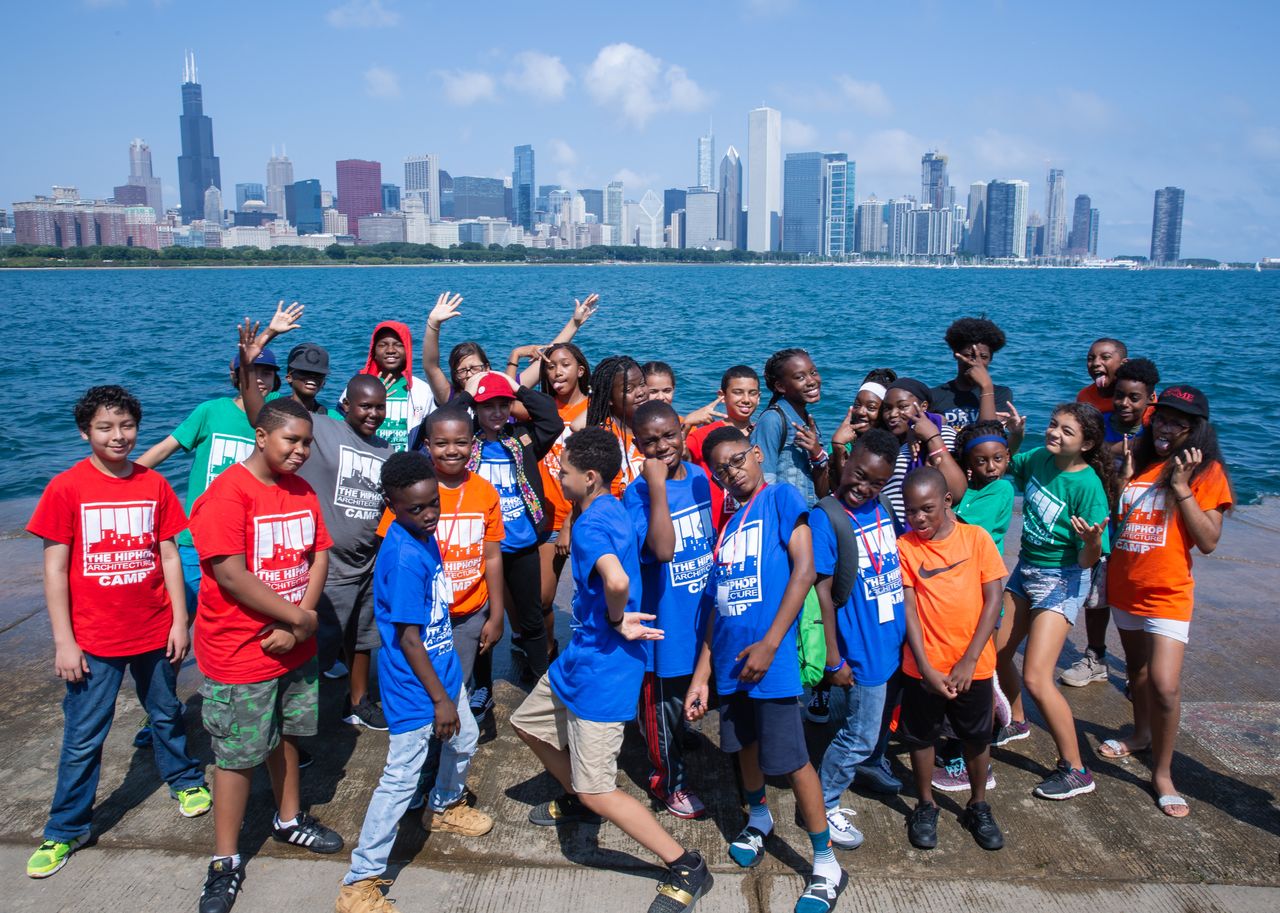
[493, 385]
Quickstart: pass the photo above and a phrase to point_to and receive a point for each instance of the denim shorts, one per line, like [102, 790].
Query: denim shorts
[1052, 589]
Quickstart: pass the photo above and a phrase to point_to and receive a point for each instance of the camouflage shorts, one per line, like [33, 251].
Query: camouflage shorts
[245, 722]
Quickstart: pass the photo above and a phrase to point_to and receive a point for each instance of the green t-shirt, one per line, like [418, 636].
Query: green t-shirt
[395, 428]
[219, 433]
[990, 507]
[1051, 498]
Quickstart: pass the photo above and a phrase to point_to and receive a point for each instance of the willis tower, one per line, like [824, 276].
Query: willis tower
[197, 166]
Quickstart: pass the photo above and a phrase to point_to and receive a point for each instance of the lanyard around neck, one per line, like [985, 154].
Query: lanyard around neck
[746, 512]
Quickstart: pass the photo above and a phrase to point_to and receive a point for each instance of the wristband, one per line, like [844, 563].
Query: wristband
[616, 624]
[992, 395]
[939, 452]
[1190, 494]
[931, 437]
[832, 670]
[820, 458]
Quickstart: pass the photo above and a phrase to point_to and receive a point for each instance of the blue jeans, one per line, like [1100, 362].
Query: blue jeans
[405, 756]
[190, 575]
[856, 741]
[88, 709]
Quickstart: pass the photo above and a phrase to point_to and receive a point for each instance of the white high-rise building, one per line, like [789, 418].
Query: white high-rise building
[706, 159]
[1055, 206]
[614, 214]
[900, 238]
[764, 180]
[279, 176]
[870, 227]
[631, 218]
[422, 180]
[213, 205]
[649, 224]
[700, 217]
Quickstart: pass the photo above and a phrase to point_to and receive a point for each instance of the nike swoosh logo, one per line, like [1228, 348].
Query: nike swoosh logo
[939, 570]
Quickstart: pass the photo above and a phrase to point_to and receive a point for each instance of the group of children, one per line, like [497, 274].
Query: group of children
[709, 553]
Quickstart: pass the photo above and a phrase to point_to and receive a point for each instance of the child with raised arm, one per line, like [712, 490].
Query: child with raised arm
[617, 388]
[763, 567]
[971, 395]
[423, 691]
[670, 506]
[538, 355]
[951, 577]
[113, 586]
[576, 715]
[863, 415]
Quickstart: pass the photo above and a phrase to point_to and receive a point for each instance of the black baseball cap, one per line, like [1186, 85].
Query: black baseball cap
[1186, 399]
[308, 356]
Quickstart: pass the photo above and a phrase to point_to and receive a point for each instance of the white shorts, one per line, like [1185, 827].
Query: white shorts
[1165, 627]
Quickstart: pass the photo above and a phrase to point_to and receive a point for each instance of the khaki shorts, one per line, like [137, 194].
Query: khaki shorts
[593, 747]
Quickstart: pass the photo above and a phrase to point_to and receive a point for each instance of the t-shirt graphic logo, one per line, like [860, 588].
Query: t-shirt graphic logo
[738, 581]
[935, 571]
[281, 544]
[119, 541]
[1041, 514]
[462, 545]
[395, 427]
[358, 477]
[226, 450]
[438, 635]
[692, 562]
[502, 476]
[1146, 518]
[880, 569]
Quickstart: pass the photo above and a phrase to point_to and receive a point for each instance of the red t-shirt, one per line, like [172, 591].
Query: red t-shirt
[278, 528]
[114, 527]
[723, 505]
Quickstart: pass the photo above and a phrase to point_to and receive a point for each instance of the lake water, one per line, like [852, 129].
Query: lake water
[168, 334]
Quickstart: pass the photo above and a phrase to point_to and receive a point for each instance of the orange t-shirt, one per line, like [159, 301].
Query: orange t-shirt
[470, 516]
[1096, 398]
[947, 579]
[632, 461]
[1149, 571]
[550, 466]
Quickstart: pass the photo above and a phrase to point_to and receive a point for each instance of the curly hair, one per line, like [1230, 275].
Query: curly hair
[278, 413]
[456, 355]
[1202, 437]
[107, 396]
[403, 469]
[595, 449]
[584, 381]
[773, 369]
[986, 428]
[1143, 370]
[1093, 429]
[878, 442]
[968, 331]
[600, 403]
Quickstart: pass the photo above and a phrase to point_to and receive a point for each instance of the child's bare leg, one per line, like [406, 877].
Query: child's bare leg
[1137, 661]
[808, 789]
[282, 765]
[1165, 690]
[230, 799]
[555, 760]
[1044, 645]
[636, 821]
[977, 758]
[922, 770]
[1011, 634]
[360, 665]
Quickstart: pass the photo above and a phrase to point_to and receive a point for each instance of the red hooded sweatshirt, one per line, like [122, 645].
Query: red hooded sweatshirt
[406, 339]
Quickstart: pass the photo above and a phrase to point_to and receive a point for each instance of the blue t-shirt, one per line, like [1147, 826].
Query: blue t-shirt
[676, 590]
[598, 676]
[1114, 435]
[499, 469]
[411, 587]
[750, 574]
[870, 626]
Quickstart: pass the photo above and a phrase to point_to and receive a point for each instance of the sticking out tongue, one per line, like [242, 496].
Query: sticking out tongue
[1100, 381]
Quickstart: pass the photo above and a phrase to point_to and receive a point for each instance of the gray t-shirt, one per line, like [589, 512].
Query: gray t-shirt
[345, 470]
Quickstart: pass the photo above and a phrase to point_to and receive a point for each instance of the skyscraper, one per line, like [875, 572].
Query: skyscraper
[975, 241]
[474, 197]
[1006, 223]
[1166, 226]
[649, 221]
[279, 176]
[1055, 214]
[1093, 232]
[707, 159]
[247, 192]
[613, 212]
[302, 200]
[198, 167]
[390, 198]
[140, 175]
[730, 200]
[422, 180]
[522, 187]
[900, 241]
[1078, 240]
[870, 237]
[213, 204]
[359, 190]
[700, 217]
[764, 166]
[801, 202]
[839, 206]
[594, 201]
[933, 180]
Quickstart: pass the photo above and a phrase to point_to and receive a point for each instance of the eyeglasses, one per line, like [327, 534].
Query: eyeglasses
[464, 373]
[737, 461]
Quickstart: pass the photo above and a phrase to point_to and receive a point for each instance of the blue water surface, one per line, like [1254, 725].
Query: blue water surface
[168, 335]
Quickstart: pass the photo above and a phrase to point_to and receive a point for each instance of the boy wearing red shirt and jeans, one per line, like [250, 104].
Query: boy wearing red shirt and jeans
[113, 584]
[264, 554]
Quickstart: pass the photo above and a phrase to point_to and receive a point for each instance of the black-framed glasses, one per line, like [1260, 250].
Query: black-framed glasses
[737, 461]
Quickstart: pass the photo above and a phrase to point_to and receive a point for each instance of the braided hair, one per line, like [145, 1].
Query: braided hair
[773, 370]
[1092, 428]
[584, 382]
[600, 402]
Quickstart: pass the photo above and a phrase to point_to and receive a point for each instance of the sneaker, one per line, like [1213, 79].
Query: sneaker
[194, 802]
[922, 826]
[142, 738]
[879, 777]
[818, 710]
[304, 758]
[683, 804]
[366, 714]
[481, 703]
[821, 893]
[520, 662]
[566, 809]
[1017, 729]
[460, 819]
[364, 896]
[221, 886]
[309, 833]
[1001, 710]
[336, 671]
[681, 887]
[51, 856]
[1064, 783]
[978, 820]
[1086, 670]
[843, 834]
[747, 848]
[954, 777]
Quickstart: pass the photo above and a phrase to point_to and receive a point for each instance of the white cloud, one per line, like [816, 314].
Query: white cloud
[633, 182]
[380, 82]
[797, 134]
[866, 97]
[540, 75]
[466, 87]
[890, 156]
[640, 85]
[1264, 143]
[362, 14]
[1006, 153]
[1085, 110]
[562, 153]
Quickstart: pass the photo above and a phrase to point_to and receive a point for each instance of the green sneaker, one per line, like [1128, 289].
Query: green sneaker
[194, 802]
[52, 855]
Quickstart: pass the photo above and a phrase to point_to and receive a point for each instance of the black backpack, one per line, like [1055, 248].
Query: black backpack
[846, 573]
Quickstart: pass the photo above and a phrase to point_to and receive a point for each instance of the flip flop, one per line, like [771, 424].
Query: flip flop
[1174, 806]
[1114, 750]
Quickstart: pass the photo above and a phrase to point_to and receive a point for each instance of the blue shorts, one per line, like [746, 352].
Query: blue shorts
[549, 535]
[775, 723]
[1052, 589]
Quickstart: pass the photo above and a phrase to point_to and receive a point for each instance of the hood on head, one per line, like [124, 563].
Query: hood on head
[406, 339]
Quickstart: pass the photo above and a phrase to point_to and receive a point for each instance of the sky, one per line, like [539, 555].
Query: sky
[1124, 97]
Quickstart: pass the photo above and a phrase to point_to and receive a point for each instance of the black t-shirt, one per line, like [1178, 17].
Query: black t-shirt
[960, 407]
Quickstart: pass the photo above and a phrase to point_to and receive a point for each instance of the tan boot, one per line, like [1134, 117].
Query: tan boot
[458, 819]
[365, 896]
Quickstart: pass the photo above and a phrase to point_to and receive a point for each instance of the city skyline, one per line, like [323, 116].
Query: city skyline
[611, 108]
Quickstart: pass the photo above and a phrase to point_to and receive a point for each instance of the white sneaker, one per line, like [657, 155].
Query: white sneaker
[843, 834]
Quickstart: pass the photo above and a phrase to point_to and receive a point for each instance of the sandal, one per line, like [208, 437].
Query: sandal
[1114, 750]
[1174, 806]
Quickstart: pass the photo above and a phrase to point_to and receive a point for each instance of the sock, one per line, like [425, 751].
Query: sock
[1099, 652]
[759, 815]
[688, 861]
[824, 856]
[234, 857]
[279, 825]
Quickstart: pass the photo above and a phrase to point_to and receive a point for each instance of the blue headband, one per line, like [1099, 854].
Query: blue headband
[985, 439]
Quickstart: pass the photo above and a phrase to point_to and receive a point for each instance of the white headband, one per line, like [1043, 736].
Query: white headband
[872, 387]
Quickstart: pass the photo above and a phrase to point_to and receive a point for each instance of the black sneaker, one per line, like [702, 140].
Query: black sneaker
[566, 809]
[821, 893]
[221, 886]
[1064, 783]
[818, 710]
[481, 703]
[366, 714]
[922, 826]
[309, 834]
[683, 884]
[978, 820]
[304, 758]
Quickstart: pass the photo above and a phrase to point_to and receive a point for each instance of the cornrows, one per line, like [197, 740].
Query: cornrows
[600, 404]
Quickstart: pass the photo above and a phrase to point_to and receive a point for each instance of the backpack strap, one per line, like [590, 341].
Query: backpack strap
[847, 554]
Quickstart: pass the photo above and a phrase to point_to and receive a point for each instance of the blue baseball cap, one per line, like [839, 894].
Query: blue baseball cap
[266, 357]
